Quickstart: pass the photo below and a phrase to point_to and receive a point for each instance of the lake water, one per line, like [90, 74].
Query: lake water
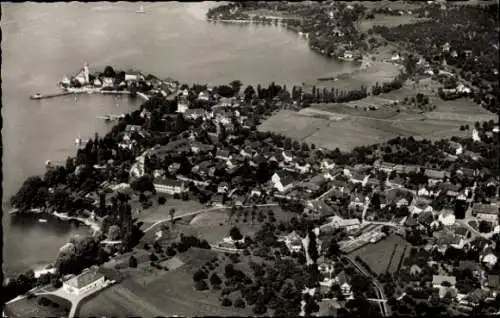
[43, 42]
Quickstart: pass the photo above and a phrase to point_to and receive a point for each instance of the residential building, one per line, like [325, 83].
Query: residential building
[293, 242]
[223, 154]
[223, 187]
[169, 186]
[282, 181]
[218, 200]
[486, 212]
[89, 280]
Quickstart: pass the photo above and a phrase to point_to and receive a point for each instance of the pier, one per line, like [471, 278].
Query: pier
[45, 96]
[78, 91]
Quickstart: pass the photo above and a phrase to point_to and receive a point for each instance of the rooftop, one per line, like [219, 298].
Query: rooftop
[87, 277]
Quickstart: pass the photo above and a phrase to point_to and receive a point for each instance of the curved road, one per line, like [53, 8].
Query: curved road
[383, 300]
[180, 216]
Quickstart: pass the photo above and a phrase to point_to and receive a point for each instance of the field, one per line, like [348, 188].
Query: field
[345, 127]
[214, 226]
[384, 255]
[369, 73]
[159, 212]
[170, 293]
[388, 21]
[31, 308]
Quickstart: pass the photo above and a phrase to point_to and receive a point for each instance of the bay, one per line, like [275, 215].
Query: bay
[42, 42]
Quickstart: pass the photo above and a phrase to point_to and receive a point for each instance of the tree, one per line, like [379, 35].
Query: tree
[226, 302]
[236, 85]
[171, 212]
[239, 303]
[235, 234]
[162, 200]
[132, 262]
[113, 233]
[199, 275]
[215, 279]
[485, 227]
[143, 184]
[201, 285]
[153, 257]
[249, 93]
[109, 71]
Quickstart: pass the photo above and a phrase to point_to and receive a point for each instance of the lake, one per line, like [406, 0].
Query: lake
[43, 42]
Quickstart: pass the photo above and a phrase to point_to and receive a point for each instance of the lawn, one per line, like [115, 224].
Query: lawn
[378, 255]
[388, 21]
[168, 293]
[159, 212]
[31, 308]
[342, 126]
[215, 225]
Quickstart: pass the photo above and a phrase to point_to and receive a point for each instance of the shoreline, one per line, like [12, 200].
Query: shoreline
[93, 224]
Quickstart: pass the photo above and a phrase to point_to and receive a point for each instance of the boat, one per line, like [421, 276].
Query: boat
[42, 220]
[36, 96]
[141, 10]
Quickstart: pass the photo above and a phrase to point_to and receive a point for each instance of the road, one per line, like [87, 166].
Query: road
[180, 216]
[384, 309]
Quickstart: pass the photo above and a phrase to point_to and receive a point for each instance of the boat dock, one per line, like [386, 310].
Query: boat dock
[78, 91]
[45, 96]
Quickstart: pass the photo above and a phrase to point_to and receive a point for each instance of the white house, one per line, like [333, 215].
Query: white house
[327, 164]
[87, 281]
[446, 217]
[169, 186]
[282, 181]
[287, 156]
[486, 212]
[293, 242]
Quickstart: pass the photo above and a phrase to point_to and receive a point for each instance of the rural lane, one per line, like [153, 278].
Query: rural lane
[383, 304]
[180, 216]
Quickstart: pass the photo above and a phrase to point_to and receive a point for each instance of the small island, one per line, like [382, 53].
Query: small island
[205, 200]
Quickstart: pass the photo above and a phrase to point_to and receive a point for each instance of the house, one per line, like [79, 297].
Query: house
[89, 280]
[246, 152]
[344, 281]
[174, 167]
[218, 200]
[195, 113]
[255, 193]
[435, 175]
[257, 160]
[238, 200]
[169, 186]
[443, 282]
[277, 156]
[385, 166]
[493, 281]
[287, 156]
[305, 168]
[293, 242]
[282, 181]
[204, 95]
[357, 201]
[327, 164]
[198, 147]
[348, 224]
[488, 256]
[223, 187]
[402, 202]
[182, 105]
[446, 217]
[486, 212]
[223, 154]
[348, 55]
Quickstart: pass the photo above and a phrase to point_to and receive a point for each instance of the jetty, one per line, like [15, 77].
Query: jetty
[45, 96]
